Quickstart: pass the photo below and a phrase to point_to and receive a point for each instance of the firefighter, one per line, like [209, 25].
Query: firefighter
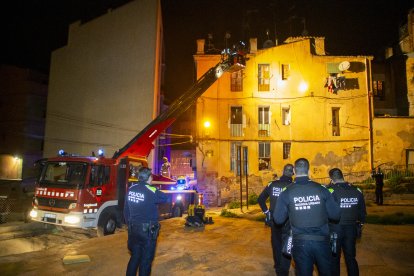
[308, 205]
[353, 208]
[141, 216]
[278, 232]
[165, 167]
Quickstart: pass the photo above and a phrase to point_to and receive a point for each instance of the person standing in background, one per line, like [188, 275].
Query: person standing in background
[379, 185]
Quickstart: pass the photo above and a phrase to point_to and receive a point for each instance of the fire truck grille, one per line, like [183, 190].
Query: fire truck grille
[54, 202]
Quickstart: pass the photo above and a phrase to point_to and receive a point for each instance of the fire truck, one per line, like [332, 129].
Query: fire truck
[89, 191]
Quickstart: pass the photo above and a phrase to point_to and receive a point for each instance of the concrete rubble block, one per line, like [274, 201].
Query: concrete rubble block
[74, 259]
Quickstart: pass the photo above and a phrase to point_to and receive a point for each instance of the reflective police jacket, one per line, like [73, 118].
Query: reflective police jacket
[352, 203]
[141, 203]
[308, 205]
[273, 190]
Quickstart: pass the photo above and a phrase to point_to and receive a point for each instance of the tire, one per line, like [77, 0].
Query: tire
[177, 212]
[107, 224]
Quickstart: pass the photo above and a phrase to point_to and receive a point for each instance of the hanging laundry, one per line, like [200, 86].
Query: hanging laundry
[331, 84]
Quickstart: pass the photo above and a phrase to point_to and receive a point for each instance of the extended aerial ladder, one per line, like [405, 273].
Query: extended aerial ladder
[142, 143]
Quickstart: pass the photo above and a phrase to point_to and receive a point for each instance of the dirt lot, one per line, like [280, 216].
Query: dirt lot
[230, 246]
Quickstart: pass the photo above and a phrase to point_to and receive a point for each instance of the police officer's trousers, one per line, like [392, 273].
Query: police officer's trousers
[142, 246]
[346, 243]
[306, 253]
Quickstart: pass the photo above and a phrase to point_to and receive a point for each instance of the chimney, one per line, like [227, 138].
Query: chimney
[389, 52]
[320, 46]
[200, 46]
[253, 45]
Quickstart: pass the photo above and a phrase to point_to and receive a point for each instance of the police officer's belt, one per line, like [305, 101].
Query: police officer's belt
[310, 237]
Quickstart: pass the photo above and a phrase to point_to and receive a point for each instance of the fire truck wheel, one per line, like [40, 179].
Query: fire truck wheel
[177, 212]
[106, 224]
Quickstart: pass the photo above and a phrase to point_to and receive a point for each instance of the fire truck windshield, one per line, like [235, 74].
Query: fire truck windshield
[63, 174]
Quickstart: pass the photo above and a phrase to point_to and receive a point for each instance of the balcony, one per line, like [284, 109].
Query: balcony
[264, 130]
[236, 130]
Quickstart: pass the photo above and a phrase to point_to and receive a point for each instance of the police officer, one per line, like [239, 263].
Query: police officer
[272, 190]
[141, 216]
[353, 208]
[379, 185]
[308, 205]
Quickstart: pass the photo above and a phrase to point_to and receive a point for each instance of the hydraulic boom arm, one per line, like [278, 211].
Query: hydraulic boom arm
[142, 143]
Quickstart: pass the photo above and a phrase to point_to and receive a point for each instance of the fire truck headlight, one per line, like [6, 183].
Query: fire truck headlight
[179, 197]
[33, 213]
[72, 205]
[72, 219]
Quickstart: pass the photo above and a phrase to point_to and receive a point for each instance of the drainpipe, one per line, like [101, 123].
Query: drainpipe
[371, 113]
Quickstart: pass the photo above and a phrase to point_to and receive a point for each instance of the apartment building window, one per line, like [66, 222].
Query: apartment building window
[378, 89]
[236, 121]
[285, 71]
[264, 77]
[286, 116]
[286, 150]
[234, 157]
[237, 81]
[264, 120]
[335, 121]
[264, 156]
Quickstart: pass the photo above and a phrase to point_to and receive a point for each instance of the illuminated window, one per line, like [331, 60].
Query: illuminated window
[286, 150]
[285, 71]
[264, 156]
[378, 89]
[264, 120]
[264, 77]
[335, 121]
[237, 81]
[286, 116]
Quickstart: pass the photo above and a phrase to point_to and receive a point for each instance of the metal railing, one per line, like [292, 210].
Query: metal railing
[236, 130]
[264, 130]
[364, 177]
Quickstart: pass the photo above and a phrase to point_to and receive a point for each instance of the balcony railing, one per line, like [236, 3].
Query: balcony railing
[365, 176]
[264, 130]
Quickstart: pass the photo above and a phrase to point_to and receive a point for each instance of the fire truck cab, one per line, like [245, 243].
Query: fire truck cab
[83, 192]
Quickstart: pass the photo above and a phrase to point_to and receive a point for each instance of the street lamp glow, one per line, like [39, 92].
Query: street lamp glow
[207, 124]
[303, 87]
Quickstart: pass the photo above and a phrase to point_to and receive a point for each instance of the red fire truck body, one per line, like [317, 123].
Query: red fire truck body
[89, 192]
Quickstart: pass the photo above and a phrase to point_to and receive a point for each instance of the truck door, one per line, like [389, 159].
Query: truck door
[99, 181]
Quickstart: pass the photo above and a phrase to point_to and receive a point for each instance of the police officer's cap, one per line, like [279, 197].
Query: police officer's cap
[336, 174]
[144, 173]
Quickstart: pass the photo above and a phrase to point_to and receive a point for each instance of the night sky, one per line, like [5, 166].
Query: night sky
[32, 29]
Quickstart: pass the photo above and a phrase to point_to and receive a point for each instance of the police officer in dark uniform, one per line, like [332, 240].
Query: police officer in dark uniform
[141, 216]
[308, 205]
[278, 232]
[353, 215]
[379, 185]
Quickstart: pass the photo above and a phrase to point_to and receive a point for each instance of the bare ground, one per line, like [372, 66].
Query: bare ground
[230, 246]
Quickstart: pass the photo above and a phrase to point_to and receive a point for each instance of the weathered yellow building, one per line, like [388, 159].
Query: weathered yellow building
[290, 101]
